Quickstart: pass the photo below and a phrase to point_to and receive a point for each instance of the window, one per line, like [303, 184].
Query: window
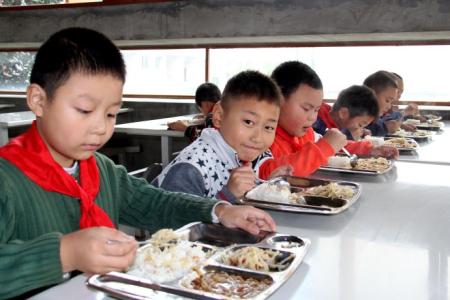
[424, 69]
[164, 72]
[178, 72]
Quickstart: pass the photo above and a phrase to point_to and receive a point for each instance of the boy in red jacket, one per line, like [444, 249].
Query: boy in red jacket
[296, 144]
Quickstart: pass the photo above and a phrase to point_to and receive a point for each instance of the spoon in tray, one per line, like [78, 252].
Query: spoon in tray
[353, 158]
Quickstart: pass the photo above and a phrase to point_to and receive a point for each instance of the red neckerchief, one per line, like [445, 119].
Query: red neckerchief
[324, 115]
[29, 153]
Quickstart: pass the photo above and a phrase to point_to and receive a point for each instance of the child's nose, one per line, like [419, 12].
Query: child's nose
[99, 126]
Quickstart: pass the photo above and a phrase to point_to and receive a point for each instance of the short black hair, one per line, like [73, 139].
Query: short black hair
[75, 50]
[207, 92]
[291, 74]
[380, 81]
[250, 84]
[359, 100]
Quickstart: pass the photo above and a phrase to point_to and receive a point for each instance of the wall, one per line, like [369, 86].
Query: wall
[225, 18]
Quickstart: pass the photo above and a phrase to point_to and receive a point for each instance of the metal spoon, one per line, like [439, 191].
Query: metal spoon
[353, 158]
[278, 181]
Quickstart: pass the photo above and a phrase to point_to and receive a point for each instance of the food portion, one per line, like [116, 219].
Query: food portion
[418, 133]
[372, 164]
[401, 143]
[167, 257]
[364, 164]
[331, 190]
[282, 194]
[229, 284]
[257, 259]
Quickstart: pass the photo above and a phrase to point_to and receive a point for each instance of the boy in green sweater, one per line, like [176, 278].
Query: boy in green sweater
[60, 200]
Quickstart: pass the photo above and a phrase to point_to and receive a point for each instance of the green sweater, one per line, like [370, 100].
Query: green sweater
[32, 220]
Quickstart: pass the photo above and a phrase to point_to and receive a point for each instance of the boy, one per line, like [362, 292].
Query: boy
[206, 96]
[355, 108]
[386, 89]
[217, 164]
[59, 199]
[296, 144]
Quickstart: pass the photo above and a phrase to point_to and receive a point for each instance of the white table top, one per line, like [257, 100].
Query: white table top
[157, 127]
[393, 243]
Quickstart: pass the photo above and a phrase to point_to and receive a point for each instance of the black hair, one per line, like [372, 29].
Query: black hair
[359, 100]
[380, 81]
[291, 74]
[207, 92]
[397, 75]
[74, 50]
[250, 84]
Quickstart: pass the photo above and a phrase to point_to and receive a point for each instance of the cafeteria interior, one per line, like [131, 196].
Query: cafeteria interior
[389, 240]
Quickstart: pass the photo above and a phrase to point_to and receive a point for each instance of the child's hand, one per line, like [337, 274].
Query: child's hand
[245, 217]
[179, 125]
[336, 139]
[392, 125]
[411, 110]
[357, 133]
[97, 250]
[385, 151]
[286, 170]
[408, 127]
[242, 179]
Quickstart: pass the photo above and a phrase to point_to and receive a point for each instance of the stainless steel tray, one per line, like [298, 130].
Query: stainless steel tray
[403, 149]
[412, 135]
[430, 126]
[124, 286]
[314, 204]
[358, 171]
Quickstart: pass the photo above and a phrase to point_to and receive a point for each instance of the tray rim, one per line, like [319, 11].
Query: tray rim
[411, 140]
[301, 209]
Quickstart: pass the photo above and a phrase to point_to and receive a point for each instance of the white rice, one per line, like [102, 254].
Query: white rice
[270, 192]
[169, 263]
[339, 162]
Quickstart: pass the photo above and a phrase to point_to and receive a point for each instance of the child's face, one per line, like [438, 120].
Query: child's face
[385, 99]
[299, 110]
[206, 107]
[357, 122]
[248, 126]
[81, 116]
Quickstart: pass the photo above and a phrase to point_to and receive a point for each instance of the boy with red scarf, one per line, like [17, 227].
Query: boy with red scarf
[60, 200]
[355, 108]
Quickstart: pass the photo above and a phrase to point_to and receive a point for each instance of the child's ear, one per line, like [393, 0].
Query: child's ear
[344, 113]
[36, 98]
[217, 115]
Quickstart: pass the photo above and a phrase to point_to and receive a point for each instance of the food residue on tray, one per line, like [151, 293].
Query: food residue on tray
[231, 285]
[258, 259]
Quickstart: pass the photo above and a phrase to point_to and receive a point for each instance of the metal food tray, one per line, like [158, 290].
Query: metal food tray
[411, 135]
[410, 140]
[314, 204]
[124, 286]
[358, 171]
[432, 127]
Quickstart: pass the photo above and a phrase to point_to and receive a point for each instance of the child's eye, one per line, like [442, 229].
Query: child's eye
[112, 116]
[249, 122]
[83, 111]
[270, 128]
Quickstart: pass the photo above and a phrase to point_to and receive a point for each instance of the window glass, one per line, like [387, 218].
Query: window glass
[167, 72]
[15, 70]
[424, 69]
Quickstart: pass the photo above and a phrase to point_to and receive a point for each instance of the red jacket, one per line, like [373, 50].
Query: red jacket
[303, 153]
[356, 147]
